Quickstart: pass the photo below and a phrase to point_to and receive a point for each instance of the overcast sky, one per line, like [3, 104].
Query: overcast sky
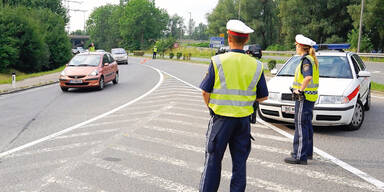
[197, 8]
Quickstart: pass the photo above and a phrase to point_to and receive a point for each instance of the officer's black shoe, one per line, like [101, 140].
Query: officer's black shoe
[292, 160]
[308, 157]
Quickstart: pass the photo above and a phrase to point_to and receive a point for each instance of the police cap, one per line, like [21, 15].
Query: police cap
[238, 28]
[302, 40]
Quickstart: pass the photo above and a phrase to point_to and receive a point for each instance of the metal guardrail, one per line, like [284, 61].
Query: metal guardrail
[370, 55]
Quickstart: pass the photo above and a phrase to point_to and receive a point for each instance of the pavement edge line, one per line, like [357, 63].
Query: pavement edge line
[30, 144]
[379, 184]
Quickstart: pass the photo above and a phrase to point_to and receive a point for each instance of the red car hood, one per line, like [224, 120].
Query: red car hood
[72, 71]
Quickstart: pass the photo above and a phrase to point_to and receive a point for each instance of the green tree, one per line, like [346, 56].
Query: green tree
[200, 32]
[142, 23]
[217, 20]
[55, 6]
[25, 49]
[103, 26]
[175, 27]
[323, 21]
[373, 25]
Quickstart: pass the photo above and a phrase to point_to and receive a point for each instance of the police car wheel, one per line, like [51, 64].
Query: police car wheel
[367, 104]
[357, 118]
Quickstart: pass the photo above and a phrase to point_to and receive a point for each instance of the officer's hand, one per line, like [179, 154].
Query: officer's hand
[296, 91]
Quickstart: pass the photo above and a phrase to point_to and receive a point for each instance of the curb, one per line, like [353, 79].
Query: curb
[10, 91]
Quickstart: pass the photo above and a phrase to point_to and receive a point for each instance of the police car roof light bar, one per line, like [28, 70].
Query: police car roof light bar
[331, 46]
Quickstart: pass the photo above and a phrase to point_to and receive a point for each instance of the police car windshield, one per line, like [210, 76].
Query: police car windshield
[329, 67]
[85, 60]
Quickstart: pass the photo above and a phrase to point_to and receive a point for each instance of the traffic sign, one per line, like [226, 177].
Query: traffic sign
[216, 42]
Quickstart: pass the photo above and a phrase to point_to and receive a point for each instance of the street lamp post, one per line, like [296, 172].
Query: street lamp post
[361, 25]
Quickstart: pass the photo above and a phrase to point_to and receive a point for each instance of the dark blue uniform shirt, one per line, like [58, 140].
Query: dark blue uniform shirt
[306, 67]
[209, 80]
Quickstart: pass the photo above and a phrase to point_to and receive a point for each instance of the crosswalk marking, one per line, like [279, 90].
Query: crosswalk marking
[283, 167]
[141, 176]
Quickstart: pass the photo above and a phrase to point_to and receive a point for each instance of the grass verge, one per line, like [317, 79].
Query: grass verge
[7, 78]
[377, 86]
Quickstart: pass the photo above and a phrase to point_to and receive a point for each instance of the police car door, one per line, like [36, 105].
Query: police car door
[358, 64]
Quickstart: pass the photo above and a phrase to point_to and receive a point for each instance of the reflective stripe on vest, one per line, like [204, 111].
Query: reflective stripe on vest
[229, 101]
[310, 92]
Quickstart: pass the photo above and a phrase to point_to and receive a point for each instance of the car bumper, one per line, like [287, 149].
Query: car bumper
[85, 82]
[322, 115]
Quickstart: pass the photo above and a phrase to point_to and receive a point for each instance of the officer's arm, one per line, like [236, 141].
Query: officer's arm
[261, 99]
[206, 96]
[306, 81]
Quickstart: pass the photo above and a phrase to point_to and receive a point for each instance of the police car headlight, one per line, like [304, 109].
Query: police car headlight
[94, 73]
[274, 96]
[332, 99]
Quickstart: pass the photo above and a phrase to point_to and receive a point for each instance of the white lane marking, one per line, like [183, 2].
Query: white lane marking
[192, 110]
[110, 123]
[272, 137]
[376, 72]
[52, 149]
[283, 167]
[192, 166]
[379, 184]
[97, 132]
[186, 115]
[3, 154]
[141, 176]
[73, 184]
[375, 96]
[140, 113]
[180, 122]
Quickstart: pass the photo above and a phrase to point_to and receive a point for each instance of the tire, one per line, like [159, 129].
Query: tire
[116, 80]
[127, 62]
[358, 117]
[368, 101]
[101, 83]
[64, 89]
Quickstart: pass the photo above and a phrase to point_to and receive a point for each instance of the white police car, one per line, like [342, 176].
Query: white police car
[344, 90]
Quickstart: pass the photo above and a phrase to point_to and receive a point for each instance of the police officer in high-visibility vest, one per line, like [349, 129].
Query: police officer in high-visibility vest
[233, 83]
[92, 47]
[305, 85]
[154, 52]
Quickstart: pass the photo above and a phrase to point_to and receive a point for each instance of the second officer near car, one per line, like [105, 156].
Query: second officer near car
[305, 86]
[233, 83]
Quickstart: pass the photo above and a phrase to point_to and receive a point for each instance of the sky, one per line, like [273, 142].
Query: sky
[197, 9]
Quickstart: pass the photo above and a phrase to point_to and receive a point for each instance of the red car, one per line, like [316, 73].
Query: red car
[89, 69]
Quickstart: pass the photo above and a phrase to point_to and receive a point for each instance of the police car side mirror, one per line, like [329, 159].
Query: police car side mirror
[274, 71]
[364, 74]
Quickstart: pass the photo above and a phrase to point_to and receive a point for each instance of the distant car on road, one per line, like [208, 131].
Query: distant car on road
[78, 50]
[254, 50]
[89, 69]
[120, 55]
[344, 90]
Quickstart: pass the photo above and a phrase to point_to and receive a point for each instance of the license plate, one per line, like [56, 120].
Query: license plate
[76, 81]
[288, 109]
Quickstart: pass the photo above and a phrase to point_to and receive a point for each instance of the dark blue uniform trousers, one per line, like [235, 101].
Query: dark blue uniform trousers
[303, 139]
[221, 132]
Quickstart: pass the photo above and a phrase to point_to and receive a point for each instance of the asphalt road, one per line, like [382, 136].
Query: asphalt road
[157, 143]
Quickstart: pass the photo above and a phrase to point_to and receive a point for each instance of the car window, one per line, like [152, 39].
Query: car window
[359, 61]
[85, 60]
[355, 65]
[329, 67]
[105, 59]
[110, 58]
[118, 51]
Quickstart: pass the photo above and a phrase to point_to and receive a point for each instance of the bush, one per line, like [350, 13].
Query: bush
[138, 53]
[277, 47]
[271, 64]
[178, 55]
[164, 44]
[365, 42]
[171, 55]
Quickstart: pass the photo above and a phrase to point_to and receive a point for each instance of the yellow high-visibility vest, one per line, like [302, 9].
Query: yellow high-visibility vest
[234, 90]
[310, 92]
